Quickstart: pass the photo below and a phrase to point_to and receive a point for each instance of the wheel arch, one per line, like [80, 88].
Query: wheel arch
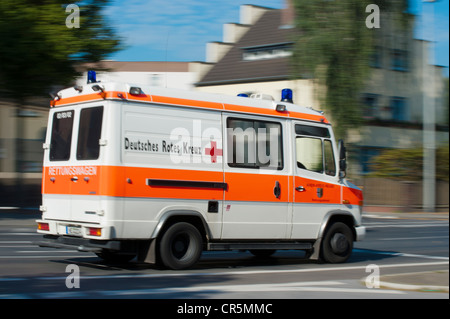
[171, 217]
[337, 216]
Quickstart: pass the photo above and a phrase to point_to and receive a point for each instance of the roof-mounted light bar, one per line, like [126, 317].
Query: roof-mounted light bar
[286, 95]
[91, 77]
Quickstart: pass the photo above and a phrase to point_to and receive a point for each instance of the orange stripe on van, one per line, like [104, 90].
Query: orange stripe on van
[79, 99]
[118, 181]
[186, 102]
[352, 196]
[146, 98]
[316, 191]
[256, 187]
[122, 181]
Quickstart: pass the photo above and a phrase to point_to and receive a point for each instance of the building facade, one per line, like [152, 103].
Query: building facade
[256, 59]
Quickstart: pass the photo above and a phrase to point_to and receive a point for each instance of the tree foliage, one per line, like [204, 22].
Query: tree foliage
[38, 50]
[334, 46]
[407, 164]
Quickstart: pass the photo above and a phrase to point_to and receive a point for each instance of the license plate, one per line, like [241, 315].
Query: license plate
[74, 231]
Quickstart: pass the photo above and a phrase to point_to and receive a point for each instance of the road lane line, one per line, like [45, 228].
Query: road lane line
[15, 242]
[391, 253]
[413, 238]
[244, 272]
[318, 286]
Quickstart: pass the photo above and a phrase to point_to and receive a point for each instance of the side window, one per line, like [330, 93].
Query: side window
[88, 147]
[61, 138]
[254, 144]
[309, 154]
[314, 149]
[330, 165]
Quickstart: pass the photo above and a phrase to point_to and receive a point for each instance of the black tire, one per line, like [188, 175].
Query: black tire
[262, 253]
[181, 246]
[337, 244]
[115, 257]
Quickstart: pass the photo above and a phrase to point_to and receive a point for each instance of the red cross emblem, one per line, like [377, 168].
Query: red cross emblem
[213, 151]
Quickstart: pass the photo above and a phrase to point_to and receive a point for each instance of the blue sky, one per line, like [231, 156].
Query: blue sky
[178, 30]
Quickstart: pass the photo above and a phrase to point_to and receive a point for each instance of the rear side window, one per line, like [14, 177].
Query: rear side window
[89, 132]
[254, 144]
[61, 136]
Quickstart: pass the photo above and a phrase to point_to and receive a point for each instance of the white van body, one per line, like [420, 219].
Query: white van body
[163, 174]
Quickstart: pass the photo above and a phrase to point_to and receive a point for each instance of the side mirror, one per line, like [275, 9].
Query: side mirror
[342, 159]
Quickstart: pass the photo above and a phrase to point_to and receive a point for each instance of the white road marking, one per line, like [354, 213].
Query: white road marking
[376, 225]
[413, 238]
[389, 253]
[319, 286]
[245, 272]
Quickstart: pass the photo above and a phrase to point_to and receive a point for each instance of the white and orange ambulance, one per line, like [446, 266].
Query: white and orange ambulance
[162, 175]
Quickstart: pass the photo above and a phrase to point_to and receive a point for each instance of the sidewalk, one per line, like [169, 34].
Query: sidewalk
[405, 215]
[433, 281]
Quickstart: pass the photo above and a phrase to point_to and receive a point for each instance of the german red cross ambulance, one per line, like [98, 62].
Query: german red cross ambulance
[162, 175]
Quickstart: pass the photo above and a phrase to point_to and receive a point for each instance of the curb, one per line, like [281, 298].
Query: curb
[422, 288]
[429, 281]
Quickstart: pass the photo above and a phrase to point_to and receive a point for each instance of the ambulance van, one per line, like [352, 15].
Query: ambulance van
[163, 175]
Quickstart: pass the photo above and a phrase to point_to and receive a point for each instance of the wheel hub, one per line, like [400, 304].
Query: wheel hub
[339, 243]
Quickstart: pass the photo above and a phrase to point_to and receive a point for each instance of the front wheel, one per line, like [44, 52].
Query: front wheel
[180, 246]
[337, 244]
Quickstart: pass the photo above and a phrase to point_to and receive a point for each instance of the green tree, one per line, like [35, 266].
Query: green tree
[38, 50]
[406, 164]
[334, 47]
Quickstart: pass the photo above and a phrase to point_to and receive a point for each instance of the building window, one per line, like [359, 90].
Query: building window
[267, 52]
[399, 60]
[370, 104]
[375, 58]
[367, 154]
[398, 108]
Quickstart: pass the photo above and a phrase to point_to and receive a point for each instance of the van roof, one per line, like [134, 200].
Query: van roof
[181, 98]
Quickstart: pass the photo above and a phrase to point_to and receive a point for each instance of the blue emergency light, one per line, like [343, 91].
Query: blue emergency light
[243, 95]
[286, 95]
[91, 77]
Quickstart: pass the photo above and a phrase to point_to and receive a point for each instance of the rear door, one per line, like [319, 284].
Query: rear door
[56, 185]
[70, 182]
[84, 180]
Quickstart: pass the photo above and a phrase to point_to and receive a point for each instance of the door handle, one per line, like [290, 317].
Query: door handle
[277, 190]
[300, 189]
[74, 179]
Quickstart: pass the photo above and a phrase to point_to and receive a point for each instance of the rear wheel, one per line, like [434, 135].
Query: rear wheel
[180, 246]
[337, 244]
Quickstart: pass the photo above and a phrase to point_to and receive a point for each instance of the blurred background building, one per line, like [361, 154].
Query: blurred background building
[254, 57]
